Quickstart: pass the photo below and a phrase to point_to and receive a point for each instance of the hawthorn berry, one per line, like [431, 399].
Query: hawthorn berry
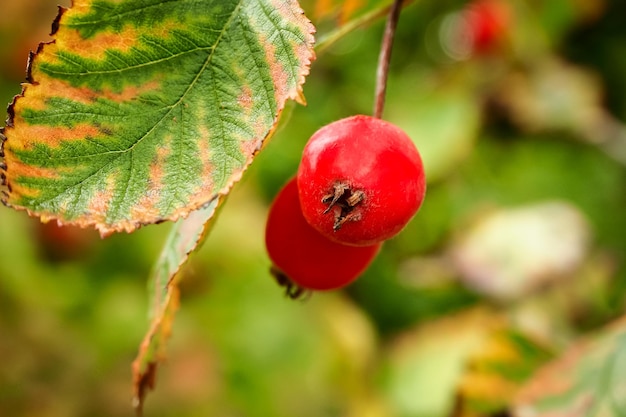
[304, 259]
[487, 21]
[480, 27]
[360, 180]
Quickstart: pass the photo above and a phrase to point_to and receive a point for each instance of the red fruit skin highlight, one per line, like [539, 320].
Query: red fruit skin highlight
[370, 155]
[306, 257]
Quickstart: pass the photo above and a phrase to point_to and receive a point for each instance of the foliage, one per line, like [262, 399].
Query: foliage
[142, 111]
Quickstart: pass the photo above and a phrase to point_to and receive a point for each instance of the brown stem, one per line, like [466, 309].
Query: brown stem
[385, 56]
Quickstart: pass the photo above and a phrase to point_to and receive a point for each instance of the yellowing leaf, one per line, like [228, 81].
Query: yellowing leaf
[183, 239]
[496, 372]
[588, 380]
[142, 111]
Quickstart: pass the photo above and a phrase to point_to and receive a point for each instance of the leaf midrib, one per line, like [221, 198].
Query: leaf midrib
[169, 108]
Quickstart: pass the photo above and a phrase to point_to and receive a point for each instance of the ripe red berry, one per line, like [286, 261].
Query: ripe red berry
[487, 21]
[304, 259]
[478, 28]
[360, 181]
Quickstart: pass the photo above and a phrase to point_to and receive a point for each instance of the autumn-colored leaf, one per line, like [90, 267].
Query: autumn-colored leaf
[497, 370]
[342, 17]
[141, 111]
[470, 364]
[183, 239]
[588, 380]
[426, 363]
[345, 9]
[510, 253]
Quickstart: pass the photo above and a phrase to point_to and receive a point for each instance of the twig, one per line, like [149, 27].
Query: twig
[385, 56]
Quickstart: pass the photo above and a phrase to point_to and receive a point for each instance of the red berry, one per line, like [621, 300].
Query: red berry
[302, 257]
[480, 27]
[360, 180]
[487, 20]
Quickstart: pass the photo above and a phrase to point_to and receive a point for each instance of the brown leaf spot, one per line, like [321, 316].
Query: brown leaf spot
[99, 204]
[279, 76]
[146, 209]
[204, 154]
[251, 147]
[245, 100]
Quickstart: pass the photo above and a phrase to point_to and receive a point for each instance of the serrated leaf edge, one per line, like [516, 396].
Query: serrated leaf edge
[129, 226]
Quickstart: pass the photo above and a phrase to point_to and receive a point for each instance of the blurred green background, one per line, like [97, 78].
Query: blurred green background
[520, 243]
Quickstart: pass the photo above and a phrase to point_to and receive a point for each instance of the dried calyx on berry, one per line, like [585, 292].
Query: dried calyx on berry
[303, 259]
[292, 289]
[343, 202]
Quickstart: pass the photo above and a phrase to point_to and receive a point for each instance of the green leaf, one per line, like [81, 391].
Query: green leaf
[182, 240]
[587, 381]
[142, 111]
[426, 363]
[443, 124]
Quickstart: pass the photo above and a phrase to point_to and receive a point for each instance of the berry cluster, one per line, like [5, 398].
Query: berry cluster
[359, 182]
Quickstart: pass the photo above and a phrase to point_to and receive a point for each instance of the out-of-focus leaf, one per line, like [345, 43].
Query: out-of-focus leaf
[556, 18]
[323, 9]
[426, 364]
[588, 380]
[511, 252]
[442, 123]
[183, 239]
[552, 95]
[494, 374]
[141, 111]
[339, 12]
[468, 364]
[349, 20]
[396, 297]
[549, 93]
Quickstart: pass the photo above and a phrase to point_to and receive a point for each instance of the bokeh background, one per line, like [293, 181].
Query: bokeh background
[519, 247]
